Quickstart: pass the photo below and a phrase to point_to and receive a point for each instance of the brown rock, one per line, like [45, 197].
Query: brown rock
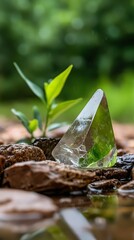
[2, 163]
[23, 212]
[103, 185]
[47, 145]
[20, 152]
[52, 177]
[15, 202]
[128, 186]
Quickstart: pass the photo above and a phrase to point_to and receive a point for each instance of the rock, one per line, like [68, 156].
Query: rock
[15, 202]
[126, 161]
[47, 145]
[103, 186]
[19, 202]
[127, 187]
[52, 177]
[23, 212]
[127, 190]
[20, 152]
[2, 163]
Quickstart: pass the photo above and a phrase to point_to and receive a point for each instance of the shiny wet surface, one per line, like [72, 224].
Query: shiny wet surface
[100, 217]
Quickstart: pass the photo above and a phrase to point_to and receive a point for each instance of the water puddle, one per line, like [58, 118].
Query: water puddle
[89, 217]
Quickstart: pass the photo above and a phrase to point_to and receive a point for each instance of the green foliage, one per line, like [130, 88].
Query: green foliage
[120, 98]
[60, 108]
[30, 125]
[54, 88]
[37, 115]
[47, 96]
[45, 36]
[21, 116]
[34, 88]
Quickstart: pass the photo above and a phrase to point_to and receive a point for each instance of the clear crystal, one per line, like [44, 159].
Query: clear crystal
[89, 142]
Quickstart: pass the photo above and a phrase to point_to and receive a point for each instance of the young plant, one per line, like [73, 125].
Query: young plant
[47, 95]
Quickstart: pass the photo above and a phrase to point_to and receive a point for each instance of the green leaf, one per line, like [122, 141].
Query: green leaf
[35, 88]
[54, 88]
[54, 126]
[33, 125]
[62, 107]
[36, 115]
[22, 118]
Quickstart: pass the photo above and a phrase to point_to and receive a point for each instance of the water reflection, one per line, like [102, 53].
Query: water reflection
[98, 217]
[111, 216]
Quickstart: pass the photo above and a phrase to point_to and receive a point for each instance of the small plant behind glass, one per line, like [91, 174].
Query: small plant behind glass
[47, 95]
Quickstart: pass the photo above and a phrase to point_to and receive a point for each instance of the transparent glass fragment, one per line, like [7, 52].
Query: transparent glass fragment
[89, 142]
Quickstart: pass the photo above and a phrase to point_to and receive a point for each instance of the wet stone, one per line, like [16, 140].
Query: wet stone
[124, 160]
[89, 142]
[2, 167]
[21, 202]
[22, 212]
[103, 186]
[2, 163]
[127, 187]
[127, 190]
[54, 178]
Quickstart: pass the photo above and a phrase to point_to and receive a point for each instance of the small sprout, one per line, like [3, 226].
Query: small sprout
[47, 95]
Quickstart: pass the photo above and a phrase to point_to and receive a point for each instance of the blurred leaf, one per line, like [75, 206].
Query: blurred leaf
[25, 140]
[33, 125]
[36, 115]
[21, 116]
[35, 88]
[54, 126]
[62, 107]
[54, 88]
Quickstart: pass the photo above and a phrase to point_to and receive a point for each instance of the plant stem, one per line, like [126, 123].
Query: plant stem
[44, 129]
[46, 122]
[32, 136]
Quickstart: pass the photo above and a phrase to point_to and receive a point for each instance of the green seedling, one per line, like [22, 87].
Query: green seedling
[47, 95]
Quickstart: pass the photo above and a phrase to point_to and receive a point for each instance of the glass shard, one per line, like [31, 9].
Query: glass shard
[89, 142]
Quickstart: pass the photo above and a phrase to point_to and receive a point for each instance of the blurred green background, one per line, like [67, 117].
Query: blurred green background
[45, 37]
